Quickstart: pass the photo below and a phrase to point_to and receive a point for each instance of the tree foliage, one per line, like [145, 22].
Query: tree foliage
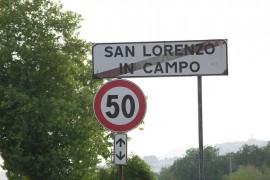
[250, 154]
[136, 169]
[249, 172]
[47, 127]
[187, 167]
[249, 161]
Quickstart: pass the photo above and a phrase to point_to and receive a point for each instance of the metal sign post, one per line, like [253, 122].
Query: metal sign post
[200, 128]
[121, 172]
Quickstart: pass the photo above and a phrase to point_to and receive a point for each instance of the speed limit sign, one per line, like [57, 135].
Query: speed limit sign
[119, 105]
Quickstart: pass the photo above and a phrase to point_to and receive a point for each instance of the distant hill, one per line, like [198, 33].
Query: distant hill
[224, 148]
[228, 147]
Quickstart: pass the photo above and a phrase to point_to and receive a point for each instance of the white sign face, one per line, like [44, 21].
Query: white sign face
[149, 59]
[125, 111]
[120, 149]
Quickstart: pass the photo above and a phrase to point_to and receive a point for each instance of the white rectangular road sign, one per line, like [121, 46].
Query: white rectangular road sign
[120, 149]
[166, 58]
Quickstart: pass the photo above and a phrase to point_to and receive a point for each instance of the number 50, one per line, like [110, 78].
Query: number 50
[112, 103]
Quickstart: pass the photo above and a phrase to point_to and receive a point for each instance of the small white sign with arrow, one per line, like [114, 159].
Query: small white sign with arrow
[120, 149]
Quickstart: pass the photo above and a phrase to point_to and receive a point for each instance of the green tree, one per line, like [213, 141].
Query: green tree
[215, 166]
[187, 167]
[135, 169]
[266, 150]
[165, 173]
[251, 154]
[47, 127]
[249, 172]
[107, 174]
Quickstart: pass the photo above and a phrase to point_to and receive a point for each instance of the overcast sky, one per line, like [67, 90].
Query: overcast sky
[235, 107]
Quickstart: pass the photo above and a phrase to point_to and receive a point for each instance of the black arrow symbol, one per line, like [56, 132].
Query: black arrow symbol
[120, 157]
[120, 141]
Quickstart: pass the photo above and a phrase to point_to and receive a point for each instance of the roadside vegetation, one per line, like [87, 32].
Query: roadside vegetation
[250, 162]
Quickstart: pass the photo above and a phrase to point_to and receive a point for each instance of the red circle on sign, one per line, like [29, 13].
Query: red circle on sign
[133, 122]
